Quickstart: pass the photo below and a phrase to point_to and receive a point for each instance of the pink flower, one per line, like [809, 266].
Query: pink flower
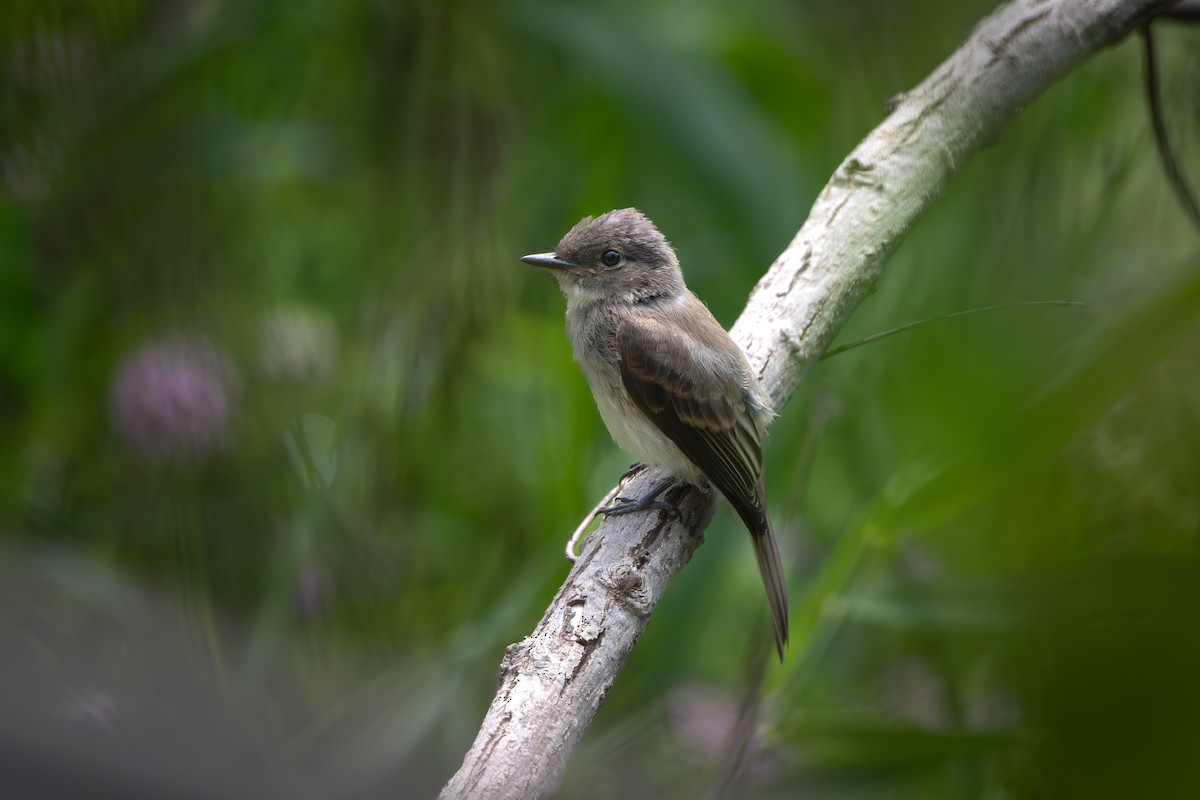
[173, 399]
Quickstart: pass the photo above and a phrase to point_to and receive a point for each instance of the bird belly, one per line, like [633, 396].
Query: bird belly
[636, 434]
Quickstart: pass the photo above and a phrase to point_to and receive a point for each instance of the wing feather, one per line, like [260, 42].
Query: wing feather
[696, 395]
[690, 393]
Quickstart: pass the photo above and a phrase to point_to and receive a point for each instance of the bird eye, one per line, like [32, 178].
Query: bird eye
[611, 258]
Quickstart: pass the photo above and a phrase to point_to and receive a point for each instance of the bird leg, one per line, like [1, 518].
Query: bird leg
[625, 505]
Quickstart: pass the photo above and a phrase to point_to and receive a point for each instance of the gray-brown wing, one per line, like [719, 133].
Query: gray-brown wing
[692, 394]
[695, 395]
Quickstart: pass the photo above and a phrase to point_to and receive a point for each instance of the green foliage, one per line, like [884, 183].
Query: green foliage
[268, 355]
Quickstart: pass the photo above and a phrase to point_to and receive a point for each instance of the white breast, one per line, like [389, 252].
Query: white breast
[636, 434]
[593, 340]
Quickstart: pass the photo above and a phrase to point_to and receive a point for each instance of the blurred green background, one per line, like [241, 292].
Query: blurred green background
[290, 441]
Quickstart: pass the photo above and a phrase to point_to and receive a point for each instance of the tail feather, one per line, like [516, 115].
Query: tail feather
[766, 550]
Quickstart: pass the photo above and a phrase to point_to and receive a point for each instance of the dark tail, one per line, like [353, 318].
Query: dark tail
[770, 566]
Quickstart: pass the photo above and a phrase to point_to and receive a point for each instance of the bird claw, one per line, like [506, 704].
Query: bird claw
[625, 505]
[634, 469]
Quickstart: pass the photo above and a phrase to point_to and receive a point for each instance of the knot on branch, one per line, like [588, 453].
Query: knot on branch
[513, 654]
[629, 588]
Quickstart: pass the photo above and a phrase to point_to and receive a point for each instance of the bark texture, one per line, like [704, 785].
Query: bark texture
[553, 682]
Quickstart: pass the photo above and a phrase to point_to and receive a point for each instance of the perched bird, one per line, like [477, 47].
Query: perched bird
[672, 387]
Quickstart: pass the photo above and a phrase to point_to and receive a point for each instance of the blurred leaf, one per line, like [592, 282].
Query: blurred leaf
[312, 446]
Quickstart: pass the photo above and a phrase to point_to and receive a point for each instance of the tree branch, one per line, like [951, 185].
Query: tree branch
[553, 682]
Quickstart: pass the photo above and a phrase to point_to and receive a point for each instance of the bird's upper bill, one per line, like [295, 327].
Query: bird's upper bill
[552, 261]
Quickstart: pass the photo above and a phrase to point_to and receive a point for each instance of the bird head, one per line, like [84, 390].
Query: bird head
[617, 257]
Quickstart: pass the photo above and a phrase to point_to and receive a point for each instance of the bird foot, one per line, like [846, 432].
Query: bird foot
[648, 501]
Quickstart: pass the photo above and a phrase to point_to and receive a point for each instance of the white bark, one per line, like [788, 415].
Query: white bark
[553, 682]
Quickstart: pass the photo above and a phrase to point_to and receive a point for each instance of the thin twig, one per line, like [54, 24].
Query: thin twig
[908, 326]
[572, 556]
[601, 508]
[1154, 96]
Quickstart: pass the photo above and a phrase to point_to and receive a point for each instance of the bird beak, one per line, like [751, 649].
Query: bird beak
[552, 261]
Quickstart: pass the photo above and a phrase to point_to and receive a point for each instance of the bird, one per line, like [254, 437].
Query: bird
[672, 387]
